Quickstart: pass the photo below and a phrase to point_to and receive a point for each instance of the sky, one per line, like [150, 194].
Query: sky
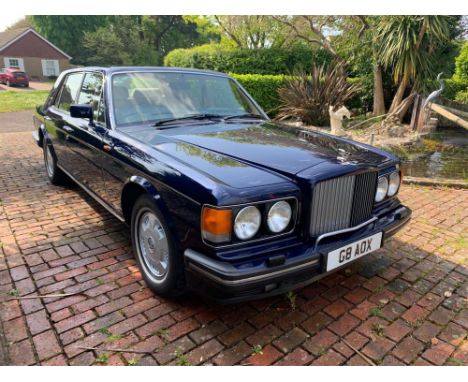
[9, 18]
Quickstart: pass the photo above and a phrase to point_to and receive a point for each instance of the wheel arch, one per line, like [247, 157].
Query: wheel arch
[46, 141]
[133, 189]
[40, 133]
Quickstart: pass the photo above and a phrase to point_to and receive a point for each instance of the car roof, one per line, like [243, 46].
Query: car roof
[119, 69]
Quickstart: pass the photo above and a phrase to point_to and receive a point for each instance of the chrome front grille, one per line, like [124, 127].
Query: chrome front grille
[342, 202]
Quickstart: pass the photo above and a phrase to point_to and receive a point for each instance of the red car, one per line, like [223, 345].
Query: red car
[11, 76]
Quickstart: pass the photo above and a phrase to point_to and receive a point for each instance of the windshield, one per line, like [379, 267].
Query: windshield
[149, 97]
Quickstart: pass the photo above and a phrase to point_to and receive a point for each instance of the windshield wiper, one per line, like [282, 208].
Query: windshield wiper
[187, 117]
[244, 115]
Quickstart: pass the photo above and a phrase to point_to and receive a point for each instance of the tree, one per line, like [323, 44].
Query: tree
[67, 32]
[356, 45]
[253, 32]
[208, 30]
[137, 40]
[165, 33]
[349, 39]
[314, 30]
[406, 45]
[104, 47]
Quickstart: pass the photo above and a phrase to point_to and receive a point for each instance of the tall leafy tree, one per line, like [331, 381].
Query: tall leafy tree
[164, 33]
[350, 39]
[104, 47]
[253, 32]
[67, 32]
[208, 30]
[112, 40]
[407, 45]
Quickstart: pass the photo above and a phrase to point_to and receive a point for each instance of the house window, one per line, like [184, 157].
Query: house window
[13, 63]
[50, 68]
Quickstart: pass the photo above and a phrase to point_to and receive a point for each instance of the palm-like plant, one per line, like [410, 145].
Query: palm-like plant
[309, 96]
[405, 45]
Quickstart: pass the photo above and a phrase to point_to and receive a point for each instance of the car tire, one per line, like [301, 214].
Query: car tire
[160, 263]
[55, 175]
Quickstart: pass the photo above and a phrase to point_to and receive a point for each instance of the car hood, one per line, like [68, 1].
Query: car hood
[272, 146]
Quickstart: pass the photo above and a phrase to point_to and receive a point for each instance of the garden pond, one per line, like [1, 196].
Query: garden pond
[439, 155]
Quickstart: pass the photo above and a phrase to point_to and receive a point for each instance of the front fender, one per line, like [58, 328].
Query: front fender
[150, 189]
[40, 135]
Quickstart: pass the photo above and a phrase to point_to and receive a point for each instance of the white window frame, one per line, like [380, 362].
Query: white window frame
[6, 61]
[56, 67]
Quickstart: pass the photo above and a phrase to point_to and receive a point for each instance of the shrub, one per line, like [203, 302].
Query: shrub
[309, 97]
[462, 97]
[246, 61]
[453, 86]
[461, 64]
[264, 89]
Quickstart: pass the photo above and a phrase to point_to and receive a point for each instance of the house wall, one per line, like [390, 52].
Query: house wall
[32, 50]
[33, 65]
[31, 45]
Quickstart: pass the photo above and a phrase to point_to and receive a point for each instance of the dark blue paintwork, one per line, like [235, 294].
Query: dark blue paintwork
[206, 162]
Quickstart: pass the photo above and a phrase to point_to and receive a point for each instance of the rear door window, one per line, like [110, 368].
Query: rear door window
[69, 92]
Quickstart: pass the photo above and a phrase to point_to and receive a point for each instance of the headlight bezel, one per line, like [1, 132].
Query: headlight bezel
[270, 224]
[256, 221]
[264, 233]
[380, 195]
[397, 173]
[387, 176]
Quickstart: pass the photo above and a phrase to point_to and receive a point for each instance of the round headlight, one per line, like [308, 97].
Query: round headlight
[382, 188]
[394, 183]
[247, 222]
[279, 216]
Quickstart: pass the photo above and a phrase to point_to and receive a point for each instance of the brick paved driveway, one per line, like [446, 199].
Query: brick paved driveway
[404, 305]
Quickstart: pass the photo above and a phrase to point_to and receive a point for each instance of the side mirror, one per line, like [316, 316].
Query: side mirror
[82, 111]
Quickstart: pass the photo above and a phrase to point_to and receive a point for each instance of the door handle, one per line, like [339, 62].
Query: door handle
[67, 128]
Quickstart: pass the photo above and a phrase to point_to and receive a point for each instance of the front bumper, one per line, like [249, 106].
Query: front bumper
[302, 264]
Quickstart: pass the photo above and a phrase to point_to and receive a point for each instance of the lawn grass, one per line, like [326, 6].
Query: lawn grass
[21, 100]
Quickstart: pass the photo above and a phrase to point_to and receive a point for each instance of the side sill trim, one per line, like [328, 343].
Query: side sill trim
[93, 195]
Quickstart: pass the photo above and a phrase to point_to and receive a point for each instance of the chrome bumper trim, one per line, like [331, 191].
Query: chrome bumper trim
[344, 230]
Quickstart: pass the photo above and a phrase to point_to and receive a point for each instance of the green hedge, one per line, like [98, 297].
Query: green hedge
[264, 89]
[462, 97]
[246, 61]
[461, 63]
[453, 87]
